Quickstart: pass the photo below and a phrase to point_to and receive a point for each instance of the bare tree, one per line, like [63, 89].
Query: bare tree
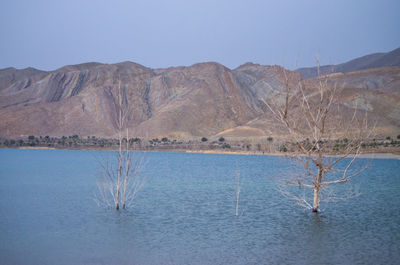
[120, 176]
[315, 121]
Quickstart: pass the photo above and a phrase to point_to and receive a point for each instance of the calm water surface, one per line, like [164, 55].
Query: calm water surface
[185, 214]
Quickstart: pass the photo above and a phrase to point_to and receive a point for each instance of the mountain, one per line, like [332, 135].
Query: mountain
[205, 99]
[370, 61]
[9, 76]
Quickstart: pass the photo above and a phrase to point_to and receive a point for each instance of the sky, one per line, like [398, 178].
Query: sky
[48, 34]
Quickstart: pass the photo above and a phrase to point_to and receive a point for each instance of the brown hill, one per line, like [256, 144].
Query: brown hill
[205, 99]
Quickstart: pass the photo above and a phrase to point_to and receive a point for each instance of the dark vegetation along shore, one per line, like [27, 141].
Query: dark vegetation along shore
[221, 144]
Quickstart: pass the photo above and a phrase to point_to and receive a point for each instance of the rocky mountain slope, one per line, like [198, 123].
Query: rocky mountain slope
[375, 60]
[205, 99]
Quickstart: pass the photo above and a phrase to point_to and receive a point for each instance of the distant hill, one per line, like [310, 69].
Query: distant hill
[370, 61]
[205, 99]
[9, 76]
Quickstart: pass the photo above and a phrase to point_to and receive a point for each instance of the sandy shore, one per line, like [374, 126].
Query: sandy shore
[381, 156]
[224, 152]
[37, 147]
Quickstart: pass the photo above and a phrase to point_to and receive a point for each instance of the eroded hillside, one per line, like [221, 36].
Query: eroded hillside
[205, 99]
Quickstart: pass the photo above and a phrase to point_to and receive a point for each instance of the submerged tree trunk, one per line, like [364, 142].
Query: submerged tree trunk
[317, 185]
[316, 200]
[237, 192]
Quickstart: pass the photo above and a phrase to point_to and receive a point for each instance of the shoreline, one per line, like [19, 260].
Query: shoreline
[38, 147]
[380, 156]
[385, 155]
[373, 155]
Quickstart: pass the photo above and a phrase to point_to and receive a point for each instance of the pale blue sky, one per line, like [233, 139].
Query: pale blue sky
[48, 34]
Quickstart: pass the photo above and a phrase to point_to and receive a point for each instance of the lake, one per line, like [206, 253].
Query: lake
[185, 213]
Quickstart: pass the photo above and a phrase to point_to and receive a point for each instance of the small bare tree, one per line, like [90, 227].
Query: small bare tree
[120, 177]
[315, 121]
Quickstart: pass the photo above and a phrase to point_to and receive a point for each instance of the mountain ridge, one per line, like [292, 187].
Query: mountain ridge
[204, 99]
[374, 60]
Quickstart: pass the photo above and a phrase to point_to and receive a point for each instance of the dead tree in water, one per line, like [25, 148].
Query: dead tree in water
[313, 119]
[120, 175]
[238, 187]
